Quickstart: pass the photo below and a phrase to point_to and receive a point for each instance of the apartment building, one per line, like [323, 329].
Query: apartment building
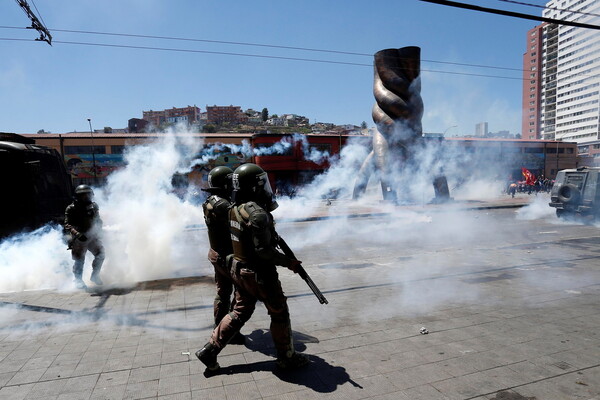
[532, 84]
[221, 115]
[570, 90]
[186, 115]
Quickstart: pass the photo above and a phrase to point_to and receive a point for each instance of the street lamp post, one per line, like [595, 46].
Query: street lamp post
[93, 152]
[447, 129]
[556, 140]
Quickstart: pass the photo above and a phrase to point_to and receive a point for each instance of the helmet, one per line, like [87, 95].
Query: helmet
[84, 193]
[220, 178]
[251, 183]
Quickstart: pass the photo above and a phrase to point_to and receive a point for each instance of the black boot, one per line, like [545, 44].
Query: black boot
[208, 356]
[292, 361]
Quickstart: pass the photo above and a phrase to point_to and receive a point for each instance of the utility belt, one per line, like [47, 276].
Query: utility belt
[242, 269]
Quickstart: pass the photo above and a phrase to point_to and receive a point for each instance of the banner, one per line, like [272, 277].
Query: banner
[529, 178]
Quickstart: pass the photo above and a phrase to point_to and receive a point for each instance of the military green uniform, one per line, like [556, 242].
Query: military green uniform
[216, 217]
[84, 219]
[253, 269]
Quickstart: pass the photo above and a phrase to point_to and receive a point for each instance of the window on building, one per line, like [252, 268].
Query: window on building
[533, 150]
[117, 149]
[85, 150]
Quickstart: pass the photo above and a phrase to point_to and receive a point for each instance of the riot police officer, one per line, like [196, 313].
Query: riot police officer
[253, 269]
[83, 227]
[216, 216]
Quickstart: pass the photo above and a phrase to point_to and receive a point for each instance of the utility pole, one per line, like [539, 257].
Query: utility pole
[93, 153]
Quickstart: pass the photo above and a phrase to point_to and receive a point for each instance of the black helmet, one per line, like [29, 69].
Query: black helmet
[251, 183]
[220, 178]
[84, 193]
[219, 181]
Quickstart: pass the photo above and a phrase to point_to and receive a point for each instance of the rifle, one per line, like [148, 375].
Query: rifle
[301, 271]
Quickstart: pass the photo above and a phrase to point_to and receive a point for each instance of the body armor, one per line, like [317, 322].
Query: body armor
[81, 218]
[254, 238]
[216, 215]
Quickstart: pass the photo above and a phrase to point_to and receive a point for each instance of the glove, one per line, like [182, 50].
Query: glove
[83, 238]
[295, 266]
[213, 256]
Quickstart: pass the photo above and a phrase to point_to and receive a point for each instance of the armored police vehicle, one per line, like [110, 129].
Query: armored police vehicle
[36, 187]
[576, 193]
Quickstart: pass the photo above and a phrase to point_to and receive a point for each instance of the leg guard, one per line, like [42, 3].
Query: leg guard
[221, 308]
[226, 330]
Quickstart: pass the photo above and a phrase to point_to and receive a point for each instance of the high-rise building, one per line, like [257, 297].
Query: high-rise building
[570, 73]
[532, 63]
[481, 129]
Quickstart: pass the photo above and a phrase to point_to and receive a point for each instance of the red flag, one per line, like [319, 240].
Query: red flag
[529, 177]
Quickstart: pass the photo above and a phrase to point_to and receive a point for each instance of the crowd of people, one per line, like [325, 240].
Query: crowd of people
[539, 185]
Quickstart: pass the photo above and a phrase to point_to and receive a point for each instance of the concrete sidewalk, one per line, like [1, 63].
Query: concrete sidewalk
[139, 342]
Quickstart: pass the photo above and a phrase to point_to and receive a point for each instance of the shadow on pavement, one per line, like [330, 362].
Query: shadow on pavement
[319, 375]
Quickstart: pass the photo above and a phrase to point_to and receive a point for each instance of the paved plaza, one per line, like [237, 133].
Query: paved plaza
[514, 339]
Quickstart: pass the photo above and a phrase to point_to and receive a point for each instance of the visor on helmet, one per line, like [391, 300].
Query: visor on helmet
[267, 192]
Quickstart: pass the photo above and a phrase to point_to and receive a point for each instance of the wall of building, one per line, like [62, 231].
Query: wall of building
[532, 84]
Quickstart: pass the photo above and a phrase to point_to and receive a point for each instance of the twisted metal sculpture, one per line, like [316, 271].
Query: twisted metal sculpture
[397, 113]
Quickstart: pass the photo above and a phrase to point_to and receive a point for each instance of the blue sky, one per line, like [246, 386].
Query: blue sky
[57, 88]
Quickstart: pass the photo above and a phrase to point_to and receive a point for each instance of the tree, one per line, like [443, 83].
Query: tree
[264, 115]
[209, 129]
[363, 125]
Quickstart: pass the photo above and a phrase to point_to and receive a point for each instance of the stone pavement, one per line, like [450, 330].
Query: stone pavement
[139, 342]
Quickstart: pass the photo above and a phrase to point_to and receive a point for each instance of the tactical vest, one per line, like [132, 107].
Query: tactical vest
[240, 228]
[82, 217]
[216, 217]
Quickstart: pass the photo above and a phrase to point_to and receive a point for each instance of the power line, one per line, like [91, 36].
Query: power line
[257, 56]
[267, 46]
[550, 8]
[512, 14]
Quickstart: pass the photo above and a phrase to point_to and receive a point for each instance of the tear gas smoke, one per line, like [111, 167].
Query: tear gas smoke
[538, 209]
[145, 222]
[144, 227]
[35, 260]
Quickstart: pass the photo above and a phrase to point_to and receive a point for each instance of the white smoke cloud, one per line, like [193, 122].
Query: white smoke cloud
[145, 235]
[147, 231]
[537, 209]
[36, 260]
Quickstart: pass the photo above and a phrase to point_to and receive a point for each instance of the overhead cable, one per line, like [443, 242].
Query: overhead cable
[549, 8]
[267, 46]
[258, 56]
[512, 14]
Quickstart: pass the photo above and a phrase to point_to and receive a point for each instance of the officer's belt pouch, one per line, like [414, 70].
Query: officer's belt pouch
[237, 266]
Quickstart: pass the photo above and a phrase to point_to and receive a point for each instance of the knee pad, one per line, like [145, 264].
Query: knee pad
[239, 319]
